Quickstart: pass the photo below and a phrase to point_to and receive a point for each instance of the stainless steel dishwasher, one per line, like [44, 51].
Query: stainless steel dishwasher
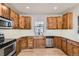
[49, 41]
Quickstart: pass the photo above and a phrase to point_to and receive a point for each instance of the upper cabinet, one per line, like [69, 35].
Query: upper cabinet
[28, 22]
[24, 22]
[21, 22]
[68, 21]
[54, 22]
[51, 22]
[15, 18]
[4, 11]
[65, 22]
[59, 22]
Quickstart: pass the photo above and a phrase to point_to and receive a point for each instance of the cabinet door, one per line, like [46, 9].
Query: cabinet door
[67, 21]
[69, 48]
[15, 18]
[21, 22]
[18, 46]
[35, 43]
[41, 43]
[24, 44]
[52, 23]
[27, 22]
[30, 42]
[57, 42]
[64, 45]
[75, 48]
[59, 22]
[4, 11]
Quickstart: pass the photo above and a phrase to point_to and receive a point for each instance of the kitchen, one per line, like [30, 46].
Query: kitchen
[28, 26]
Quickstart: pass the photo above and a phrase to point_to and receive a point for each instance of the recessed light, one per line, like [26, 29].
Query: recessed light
[55, 8]
[27, 7]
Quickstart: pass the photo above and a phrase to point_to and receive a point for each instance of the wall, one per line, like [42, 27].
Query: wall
[71, 34]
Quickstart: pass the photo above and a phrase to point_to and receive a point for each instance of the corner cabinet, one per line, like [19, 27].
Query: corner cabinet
[24, 22]
[4, 11]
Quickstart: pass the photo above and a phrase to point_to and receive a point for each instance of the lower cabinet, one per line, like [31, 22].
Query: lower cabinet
[64, 45]
[23, 43]
[69, 48]
[30, 42]
[18, 46]
[39, 42]
[57, 42]
[75, 50]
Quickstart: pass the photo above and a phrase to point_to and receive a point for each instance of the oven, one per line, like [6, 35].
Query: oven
[8, 49]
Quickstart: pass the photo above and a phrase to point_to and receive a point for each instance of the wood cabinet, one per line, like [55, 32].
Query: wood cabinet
[68, 21]
[18, 47]
[30, 42]
[52, 22]
[4, 11]
[21, 22]
[39, 42]
[28, 22]
[55, 22]
[64, 45]
[59, 22]
[15, 18]
[25, 22]
[69, 48]
[57, 42]
[75, 48]
[23, 43]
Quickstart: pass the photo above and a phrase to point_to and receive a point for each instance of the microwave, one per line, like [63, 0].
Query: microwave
[4, 23]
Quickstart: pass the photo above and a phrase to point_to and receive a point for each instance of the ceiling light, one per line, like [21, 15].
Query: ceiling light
[55, 8]
[27, 7]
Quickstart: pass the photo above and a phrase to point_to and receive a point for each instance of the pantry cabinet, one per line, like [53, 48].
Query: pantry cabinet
[24, 22]
[4, 11]
[15, 18]
[68, 21]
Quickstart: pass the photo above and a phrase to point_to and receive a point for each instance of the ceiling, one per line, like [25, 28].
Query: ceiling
[41, 8]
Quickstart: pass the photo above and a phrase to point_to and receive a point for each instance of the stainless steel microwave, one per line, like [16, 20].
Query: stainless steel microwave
[4, 23]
